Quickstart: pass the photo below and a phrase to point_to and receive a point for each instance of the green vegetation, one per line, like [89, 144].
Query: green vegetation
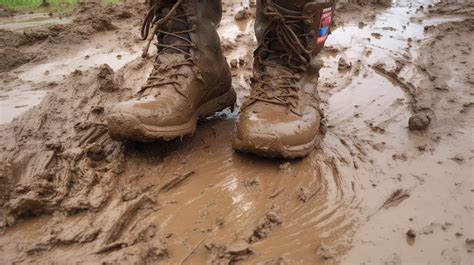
[44, 5]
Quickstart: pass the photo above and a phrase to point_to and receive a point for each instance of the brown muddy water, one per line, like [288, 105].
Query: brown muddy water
[31, 21]
[374, 192]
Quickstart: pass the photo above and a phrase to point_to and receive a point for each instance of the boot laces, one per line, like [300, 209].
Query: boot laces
[167, 74]
[288, 61]
[153, 25]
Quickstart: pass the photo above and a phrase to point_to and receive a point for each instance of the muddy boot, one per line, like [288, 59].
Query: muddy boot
[190, 77]
[281, 117]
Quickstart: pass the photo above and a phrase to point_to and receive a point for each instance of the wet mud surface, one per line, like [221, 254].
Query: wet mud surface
[391, 182]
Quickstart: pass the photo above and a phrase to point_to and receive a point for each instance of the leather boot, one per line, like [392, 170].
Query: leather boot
[281, 117]
[190, 77]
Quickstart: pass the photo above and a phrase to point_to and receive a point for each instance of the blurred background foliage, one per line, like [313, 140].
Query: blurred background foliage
[44, 5]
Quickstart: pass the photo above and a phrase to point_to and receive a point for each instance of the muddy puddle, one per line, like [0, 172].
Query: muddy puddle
[372, 111]
[79, 60]
[31, 21]
[374, 192]
[16, 102]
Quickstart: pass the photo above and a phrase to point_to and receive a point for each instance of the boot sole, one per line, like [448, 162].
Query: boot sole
[128, 127]
[270, 146]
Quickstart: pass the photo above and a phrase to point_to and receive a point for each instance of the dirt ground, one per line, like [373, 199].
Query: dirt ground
[391, 183]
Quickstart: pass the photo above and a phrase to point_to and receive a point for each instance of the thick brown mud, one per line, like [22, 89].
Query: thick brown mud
[374, 192]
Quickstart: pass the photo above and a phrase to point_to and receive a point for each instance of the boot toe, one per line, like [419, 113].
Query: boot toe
[152, 113]
[273, 132]
[124, 122]
[145, 121]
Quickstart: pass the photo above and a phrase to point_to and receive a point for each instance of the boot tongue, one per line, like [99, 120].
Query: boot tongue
[274, 72]
[174, 25]
[276, 46]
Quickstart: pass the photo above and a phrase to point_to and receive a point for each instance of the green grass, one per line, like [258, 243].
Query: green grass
[53, 5]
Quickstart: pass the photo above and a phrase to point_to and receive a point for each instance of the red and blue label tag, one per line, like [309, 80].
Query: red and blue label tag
[324, 25]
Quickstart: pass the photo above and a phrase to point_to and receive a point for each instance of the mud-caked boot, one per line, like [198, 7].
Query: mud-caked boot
[281, 117]
[190, 77]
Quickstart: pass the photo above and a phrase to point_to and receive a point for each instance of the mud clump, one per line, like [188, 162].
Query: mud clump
[105, 78]
[39, 35]
[12, 58]
[268, 223]
[243, 14]
[218, 255]
[82, 27]
[98, 22]
[12, 39]
[411, 234]
[234, 63]
[343, 65]
[419, 122]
